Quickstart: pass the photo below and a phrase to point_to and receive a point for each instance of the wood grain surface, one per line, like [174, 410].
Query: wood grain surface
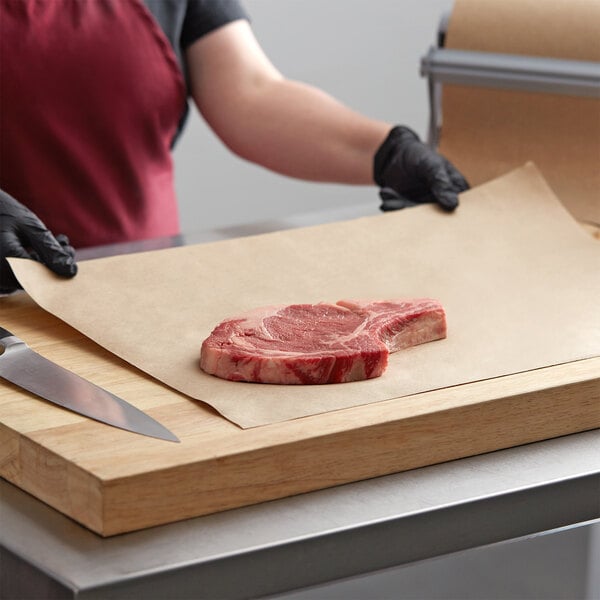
[113, 481]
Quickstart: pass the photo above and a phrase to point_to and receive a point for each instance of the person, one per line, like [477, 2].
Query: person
[94, 94]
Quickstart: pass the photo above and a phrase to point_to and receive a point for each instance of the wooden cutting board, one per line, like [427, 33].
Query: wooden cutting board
[113, 481]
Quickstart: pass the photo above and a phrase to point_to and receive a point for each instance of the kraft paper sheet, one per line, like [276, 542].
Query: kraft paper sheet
[487, 132]
[518, 277]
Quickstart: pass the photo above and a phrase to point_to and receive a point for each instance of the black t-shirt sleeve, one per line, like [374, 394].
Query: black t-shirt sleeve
[204, 16]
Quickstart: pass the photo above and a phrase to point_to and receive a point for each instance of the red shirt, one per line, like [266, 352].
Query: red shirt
[90, 100]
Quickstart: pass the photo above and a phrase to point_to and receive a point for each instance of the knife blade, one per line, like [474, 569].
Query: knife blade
[24, 367]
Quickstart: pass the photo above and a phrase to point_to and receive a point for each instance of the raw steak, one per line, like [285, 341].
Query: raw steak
[319, 343]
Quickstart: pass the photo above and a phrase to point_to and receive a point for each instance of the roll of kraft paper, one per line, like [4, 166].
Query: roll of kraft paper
[486, 132]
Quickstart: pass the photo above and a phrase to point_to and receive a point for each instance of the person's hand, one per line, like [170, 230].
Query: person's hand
[409, 173]
[23, 235]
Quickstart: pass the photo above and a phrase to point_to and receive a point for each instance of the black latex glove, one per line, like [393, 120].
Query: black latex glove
[23, 235]
[409, 173]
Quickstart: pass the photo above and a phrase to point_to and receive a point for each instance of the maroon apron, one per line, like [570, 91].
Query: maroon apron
[90, 100]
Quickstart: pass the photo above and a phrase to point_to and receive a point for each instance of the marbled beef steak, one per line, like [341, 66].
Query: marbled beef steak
[319, 343]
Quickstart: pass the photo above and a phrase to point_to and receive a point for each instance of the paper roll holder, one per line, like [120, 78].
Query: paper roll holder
[506, 71]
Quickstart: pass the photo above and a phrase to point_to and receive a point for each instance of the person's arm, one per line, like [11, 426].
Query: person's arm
[293, 128]
[287, 126]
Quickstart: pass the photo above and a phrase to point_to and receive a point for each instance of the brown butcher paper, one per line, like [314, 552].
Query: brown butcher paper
[488, 131]
[518, 277]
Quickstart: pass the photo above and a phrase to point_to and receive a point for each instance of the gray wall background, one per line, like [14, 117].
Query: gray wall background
[366, 53]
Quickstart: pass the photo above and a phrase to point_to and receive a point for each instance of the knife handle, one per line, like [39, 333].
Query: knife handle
[4, 333]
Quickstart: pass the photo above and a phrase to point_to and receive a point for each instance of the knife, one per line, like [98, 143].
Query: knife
[29, 370]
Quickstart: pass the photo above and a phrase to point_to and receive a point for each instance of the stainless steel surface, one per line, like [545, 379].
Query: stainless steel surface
[321, 536]
[29, 370]
[306, 219]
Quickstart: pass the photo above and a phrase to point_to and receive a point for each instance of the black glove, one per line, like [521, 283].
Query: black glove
[409, 173]
[23, 235]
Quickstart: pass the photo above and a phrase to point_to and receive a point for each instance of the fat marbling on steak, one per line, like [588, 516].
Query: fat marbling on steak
[319, 343]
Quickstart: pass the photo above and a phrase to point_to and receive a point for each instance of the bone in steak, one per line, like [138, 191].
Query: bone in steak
[319, 343]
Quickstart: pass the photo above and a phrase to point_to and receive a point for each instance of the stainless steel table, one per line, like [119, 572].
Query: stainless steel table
[308, 539]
